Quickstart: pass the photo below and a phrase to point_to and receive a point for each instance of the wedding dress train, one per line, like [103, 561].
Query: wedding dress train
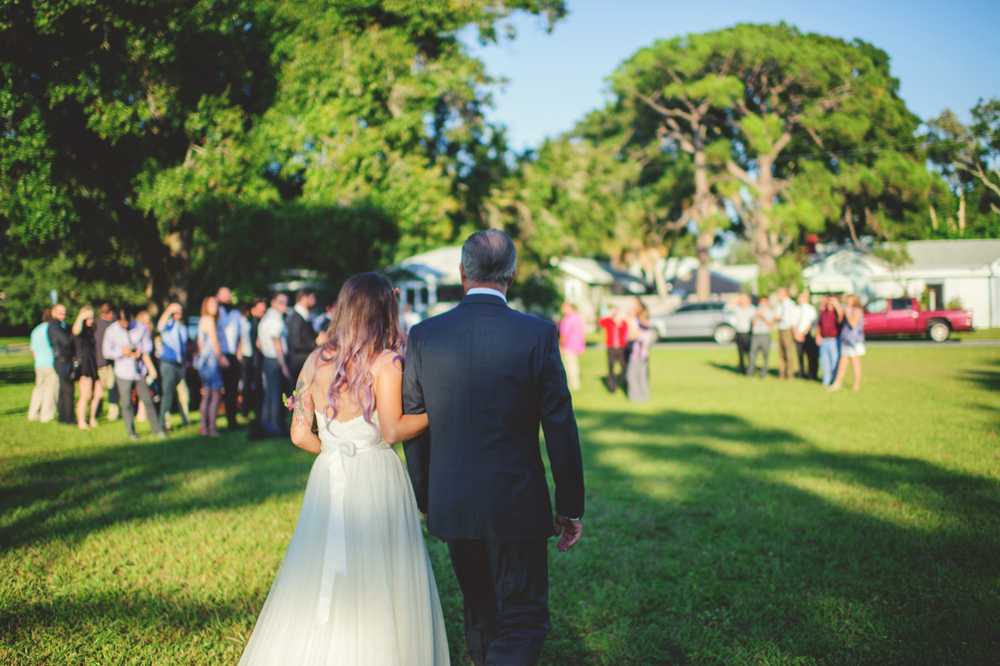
[356, 586]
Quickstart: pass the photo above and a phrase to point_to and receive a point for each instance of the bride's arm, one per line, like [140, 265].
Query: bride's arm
[395, 425]
[303, 413]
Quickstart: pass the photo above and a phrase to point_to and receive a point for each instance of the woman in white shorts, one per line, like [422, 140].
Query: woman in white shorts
[852, 342]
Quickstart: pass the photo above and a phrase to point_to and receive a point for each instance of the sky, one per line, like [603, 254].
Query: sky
[945, 54]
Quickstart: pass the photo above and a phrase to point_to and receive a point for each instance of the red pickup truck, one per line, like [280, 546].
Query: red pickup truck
[903, 316]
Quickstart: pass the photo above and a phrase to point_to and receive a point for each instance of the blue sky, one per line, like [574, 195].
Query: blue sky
[945, 54]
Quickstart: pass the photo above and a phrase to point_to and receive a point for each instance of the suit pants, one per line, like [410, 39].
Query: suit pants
[786, 347]
[171, 374]
[743, 349]
[231, 389]
[760, 343]
[274, 384]
[44, 395]
[808, 357]
[125, 387]
[505, 590]
[615, 355]
[64, 404]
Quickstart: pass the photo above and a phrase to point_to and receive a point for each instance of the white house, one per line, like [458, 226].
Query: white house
[967, 270]
[430, 282]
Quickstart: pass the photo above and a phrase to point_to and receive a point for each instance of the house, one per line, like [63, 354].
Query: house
[966, 270]
[429, 282]
[584, 283]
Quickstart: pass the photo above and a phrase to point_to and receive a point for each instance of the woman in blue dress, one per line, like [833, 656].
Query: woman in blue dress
[210, 362]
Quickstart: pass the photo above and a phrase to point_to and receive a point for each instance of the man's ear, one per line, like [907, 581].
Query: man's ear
[512, 277]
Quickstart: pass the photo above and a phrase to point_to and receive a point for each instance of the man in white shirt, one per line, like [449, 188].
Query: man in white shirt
[805, 340]
[272, 340]
[228, 327]
[743, 314]
[787, 317]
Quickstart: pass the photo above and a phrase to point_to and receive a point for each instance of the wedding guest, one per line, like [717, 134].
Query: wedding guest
[253, 396]
[805, 340]
[572, 343]
[322, 321]
[637, 375]
[211, 363]
[62, 350]
[852, 342]
[743, 316]
[46, 391]
[105, 369]
[272, 338]
[143, 319]
[301, 335]
[760, 339]
[174, 339]
[128, 344]
[228, 334]
[246, 355]
[786, 316]
[828, 337]
[615, 338]
[91, 391]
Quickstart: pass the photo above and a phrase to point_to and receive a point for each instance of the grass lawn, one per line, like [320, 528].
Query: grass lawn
[729, 521]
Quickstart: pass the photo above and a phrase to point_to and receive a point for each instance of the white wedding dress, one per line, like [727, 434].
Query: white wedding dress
[356, 586]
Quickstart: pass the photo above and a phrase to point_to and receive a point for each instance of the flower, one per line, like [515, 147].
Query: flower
[290, 402]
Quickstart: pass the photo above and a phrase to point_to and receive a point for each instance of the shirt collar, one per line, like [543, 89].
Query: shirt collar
[302, 311]
[487, 291]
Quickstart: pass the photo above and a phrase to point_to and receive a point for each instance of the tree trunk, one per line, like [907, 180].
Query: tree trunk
[760, 237]
[703, 279]
[961, 213]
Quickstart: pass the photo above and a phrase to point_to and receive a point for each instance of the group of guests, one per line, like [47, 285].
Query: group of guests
[810, 339]
[246, 358]
[628, 338]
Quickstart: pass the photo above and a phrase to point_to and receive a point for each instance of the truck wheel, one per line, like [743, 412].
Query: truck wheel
[938, 331]
[724, 334]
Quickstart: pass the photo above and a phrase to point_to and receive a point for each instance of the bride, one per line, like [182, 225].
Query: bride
[356, 585]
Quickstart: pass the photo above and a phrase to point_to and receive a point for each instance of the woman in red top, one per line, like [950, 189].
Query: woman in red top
[616, 337]
[828, 337]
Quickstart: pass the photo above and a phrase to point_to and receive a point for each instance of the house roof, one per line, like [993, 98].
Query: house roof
[952, 253]
[719, 284]
[439, 266]
[584, 269]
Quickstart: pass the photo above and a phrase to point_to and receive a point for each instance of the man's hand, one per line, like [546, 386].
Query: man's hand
[570, 531]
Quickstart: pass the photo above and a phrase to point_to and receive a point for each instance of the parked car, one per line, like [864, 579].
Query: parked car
[903, 316]
[697, 320]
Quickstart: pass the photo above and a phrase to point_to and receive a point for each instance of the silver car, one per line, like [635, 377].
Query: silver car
[697, 320]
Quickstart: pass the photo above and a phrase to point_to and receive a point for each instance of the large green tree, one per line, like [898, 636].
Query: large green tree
[138, 138]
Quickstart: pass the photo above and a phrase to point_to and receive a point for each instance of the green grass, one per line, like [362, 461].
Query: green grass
[729, 521]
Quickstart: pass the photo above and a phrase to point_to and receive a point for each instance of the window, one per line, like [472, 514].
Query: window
[901, 304]
[877, 306]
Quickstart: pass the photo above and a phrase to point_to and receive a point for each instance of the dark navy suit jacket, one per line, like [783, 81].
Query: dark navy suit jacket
[487, 377]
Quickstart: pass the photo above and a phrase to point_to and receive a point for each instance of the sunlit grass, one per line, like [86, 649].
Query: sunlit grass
[729, 521]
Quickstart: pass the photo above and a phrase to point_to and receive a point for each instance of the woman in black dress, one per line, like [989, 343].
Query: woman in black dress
[91, 390]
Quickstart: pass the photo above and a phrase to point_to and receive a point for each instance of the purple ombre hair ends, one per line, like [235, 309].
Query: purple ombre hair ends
[365, 323]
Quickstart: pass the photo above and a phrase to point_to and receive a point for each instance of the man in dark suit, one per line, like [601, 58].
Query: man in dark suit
[487, 376]
[63, 351]
[301, 334]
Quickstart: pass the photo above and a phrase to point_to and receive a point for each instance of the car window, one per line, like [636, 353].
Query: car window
[686, 308]
[901, 304]
[877, 306]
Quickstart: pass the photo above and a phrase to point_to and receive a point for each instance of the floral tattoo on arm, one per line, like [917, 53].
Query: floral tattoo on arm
[302, 405]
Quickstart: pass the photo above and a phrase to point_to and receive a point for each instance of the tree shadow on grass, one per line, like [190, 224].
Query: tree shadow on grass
[696, 552]
[73, 496]
[18, 374]
[139, 620]
[987, 377]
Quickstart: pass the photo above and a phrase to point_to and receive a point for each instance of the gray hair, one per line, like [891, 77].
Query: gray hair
[489, 257]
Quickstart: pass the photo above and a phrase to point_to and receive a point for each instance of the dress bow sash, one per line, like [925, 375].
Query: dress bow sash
[335, 560]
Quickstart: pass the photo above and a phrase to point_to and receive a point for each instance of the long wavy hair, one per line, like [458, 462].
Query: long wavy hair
[364, 324]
